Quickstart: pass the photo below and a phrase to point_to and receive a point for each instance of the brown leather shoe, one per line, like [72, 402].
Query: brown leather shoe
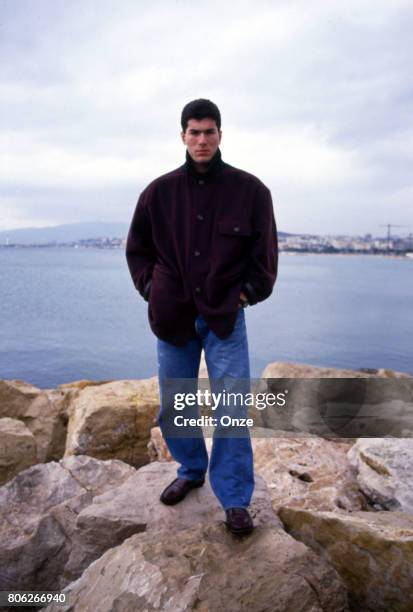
[178, 489]
[239, 521]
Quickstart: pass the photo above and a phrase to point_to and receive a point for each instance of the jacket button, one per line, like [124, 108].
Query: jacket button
[197, 289]
[197, 253]
[201, 182]
[200, 217]
[236, 228]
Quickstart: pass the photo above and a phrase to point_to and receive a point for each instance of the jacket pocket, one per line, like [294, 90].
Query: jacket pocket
[166, 296]
[230, 250]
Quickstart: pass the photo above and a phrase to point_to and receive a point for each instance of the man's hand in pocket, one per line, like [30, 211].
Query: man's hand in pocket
[243, 300]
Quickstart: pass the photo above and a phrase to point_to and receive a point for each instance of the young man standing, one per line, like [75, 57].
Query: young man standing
[202, 245]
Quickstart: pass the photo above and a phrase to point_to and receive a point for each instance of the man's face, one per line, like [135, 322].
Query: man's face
[202, 139]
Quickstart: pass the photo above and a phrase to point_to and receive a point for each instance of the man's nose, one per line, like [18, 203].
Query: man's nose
[202, 137]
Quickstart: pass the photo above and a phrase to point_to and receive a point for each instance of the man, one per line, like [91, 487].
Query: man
[201, 246]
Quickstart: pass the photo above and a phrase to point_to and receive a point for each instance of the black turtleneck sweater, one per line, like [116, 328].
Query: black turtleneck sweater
[195, 241]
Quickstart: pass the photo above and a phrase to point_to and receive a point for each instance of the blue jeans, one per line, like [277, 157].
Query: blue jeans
[231, 469]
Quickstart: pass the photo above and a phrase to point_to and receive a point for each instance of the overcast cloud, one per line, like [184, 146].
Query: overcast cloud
[316, 99]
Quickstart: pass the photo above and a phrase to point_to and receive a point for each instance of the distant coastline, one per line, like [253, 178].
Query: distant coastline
[391, 255]
[113, 236]
[117, 244]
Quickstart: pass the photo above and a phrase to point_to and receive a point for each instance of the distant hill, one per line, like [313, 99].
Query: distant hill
[71, 232]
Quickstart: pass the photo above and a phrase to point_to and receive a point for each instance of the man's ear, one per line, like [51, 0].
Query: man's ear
[220, 136]
[183, 137]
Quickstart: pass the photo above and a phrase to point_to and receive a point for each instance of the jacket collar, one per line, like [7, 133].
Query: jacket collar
[215, 166]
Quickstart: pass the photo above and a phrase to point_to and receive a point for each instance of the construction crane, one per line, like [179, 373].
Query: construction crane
[389, 226]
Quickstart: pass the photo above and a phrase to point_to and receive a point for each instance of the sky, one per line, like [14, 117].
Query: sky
[315, 97]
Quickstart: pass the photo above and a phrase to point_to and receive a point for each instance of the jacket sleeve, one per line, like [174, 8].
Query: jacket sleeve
[261, 271]
[140, 250]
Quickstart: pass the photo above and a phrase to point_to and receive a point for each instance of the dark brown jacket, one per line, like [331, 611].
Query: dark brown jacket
[195, 242]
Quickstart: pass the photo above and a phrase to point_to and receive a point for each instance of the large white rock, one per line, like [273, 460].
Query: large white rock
[336, 403]
[282, 369]
[205, 568]
[307, 472]
[372, 552]
[41, 547]
[136, 502]
[42, 412]
[113, 420]
[304, 472]
[385, 471]
[57, 518]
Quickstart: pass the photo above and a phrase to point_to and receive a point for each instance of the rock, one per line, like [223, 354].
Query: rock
[333, 403]
[205, 568]
[41, 547]
[43, 413]
[385, 471]
[372, 552]
[203, 370]
[113, 420]
[17, 448]
[57, 518]
[386, 373]
[280, 369]
[81, 384]
[304, 472]
[16, 398]
[136, 502]
[157, 449]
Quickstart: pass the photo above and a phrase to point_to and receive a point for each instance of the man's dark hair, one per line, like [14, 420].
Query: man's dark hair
[200, 109]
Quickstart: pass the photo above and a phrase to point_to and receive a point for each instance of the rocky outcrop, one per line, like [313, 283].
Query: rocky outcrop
[42, 412]
[302, 472]
[205, 568]
[17, 448]
[78, 385]
[385, 471]
[113, 420]
[372, 552]
[107, 420]
[307, 472]
[136, 501]
[94, 525]
[58, 518]
[282, 369]
[336, 403]
[41, 546]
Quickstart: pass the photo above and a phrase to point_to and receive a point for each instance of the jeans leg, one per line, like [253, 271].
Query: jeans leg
[181, 362]
[231, 467]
